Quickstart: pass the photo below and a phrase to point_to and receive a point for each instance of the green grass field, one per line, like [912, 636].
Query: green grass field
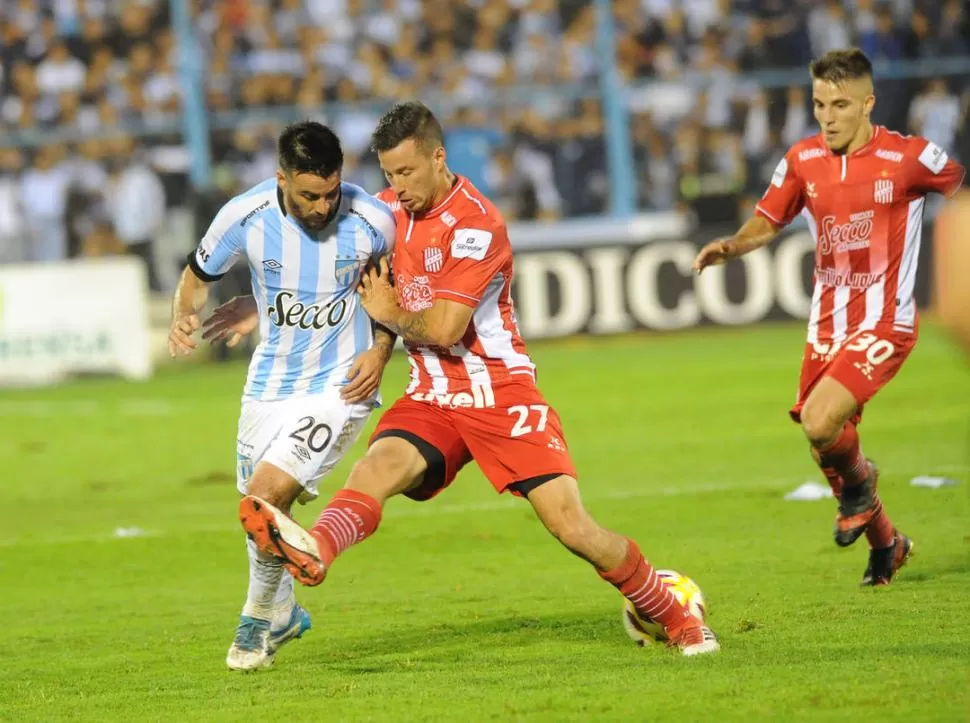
[464, 609]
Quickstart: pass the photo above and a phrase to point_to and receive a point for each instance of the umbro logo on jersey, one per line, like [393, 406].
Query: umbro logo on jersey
[449, 220]
[272, 265]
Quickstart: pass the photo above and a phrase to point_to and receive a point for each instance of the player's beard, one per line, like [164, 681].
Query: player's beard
[312, 221]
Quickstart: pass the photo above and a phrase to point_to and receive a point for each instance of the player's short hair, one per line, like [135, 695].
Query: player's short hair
[838, 66]
[310, 147]
[411, 119]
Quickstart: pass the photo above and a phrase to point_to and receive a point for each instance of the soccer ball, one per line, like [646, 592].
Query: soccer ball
[644, 631]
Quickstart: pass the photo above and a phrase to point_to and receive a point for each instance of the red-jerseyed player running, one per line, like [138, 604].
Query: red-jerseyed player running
[472, 393]
[862, 189]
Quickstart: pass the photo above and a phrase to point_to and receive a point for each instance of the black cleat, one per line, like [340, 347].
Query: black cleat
[884, 564]
[858, 507]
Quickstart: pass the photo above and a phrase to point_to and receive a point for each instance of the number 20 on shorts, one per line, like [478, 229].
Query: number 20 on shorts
[536, 414]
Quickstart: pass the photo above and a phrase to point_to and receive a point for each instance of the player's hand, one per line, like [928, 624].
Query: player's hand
[235, 319]
[364, 377]
[377, 296]
[714, 253]
[180, 340]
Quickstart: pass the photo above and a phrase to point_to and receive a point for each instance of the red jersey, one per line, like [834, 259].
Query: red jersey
[460, 251]
[865, 211]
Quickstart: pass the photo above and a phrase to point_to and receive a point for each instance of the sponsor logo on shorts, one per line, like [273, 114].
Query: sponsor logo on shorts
[865, 368]
[480, 397]
[556, 444]
[301, 453]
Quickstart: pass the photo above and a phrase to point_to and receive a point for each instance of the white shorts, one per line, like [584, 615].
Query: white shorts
[303, 436]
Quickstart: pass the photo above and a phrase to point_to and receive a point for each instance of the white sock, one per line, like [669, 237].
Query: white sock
[284, 601]
[265, 574]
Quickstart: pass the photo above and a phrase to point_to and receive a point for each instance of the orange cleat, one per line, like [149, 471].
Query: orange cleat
[278, 535]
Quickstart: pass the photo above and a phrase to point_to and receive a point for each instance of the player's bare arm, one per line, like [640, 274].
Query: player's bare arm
[952, 267]
[442, 324]
[756, 232]
[237, 318]
[365, 375]
[189, 299]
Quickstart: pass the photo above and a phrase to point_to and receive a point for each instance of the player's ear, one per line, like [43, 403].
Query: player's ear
[439, 157]
[281, 178]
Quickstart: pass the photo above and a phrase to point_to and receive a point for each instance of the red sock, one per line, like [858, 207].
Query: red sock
[351, 517]
[636, 579]
[845, 456]
[880, 533]
[835, 480]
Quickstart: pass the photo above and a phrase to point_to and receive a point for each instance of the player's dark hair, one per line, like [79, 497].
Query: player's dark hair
[411, 119]
[837, 66]
[310, 147]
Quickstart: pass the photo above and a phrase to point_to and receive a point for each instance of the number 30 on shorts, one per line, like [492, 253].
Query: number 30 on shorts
[877, 350]
[315, 436]
[536, 414]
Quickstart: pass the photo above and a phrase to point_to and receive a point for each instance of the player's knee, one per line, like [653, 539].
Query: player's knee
[272, 484]
[820, 428]
[386, 470]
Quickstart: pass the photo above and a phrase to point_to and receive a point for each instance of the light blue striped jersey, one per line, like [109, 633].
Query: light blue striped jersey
[311, 323]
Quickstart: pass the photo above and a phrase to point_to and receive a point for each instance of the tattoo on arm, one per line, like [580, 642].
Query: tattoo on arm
[413, 327]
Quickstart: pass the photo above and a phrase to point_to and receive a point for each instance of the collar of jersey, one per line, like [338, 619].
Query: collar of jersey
[870, 144]
[442, 207]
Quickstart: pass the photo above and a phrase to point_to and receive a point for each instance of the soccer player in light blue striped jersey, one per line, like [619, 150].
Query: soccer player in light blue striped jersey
[315, 374]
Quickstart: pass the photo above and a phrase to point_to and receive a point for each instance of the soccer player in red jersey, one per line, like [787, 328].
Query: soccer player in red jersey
[472, 392]
[862, 189]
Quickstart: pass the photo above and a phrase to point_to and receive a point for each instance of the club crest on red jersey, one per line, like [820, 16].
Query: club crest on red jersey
[433, 259]
[883, 192]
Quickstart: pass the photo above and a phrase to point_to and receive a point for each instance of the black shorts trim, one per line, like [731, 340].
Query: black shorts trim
[197, 270]
[525, 486]
[434, 477]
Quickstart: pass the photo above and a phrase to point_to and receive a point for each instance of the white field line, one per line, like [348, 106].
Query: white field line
[444, 509]
[397, 511]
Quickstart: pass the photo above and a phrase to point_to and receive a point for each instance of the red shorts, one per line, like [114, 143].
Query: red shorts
[864, 363]
[517, 439]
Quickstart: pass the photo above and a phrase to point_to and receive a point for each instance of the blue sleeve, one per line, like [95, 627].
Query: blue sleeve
[219, 248]
[381, 223]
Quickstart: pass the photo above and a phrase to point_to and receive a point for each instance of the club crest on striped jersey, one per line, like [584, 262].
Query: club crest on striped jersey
[883, 192]
[434, 259]
[346, 270]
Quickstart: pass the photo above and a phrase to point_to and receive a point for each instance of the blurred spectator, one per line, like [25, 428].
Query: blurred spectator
[44, 189]
[13, 221]
[505, 73]
[136, 204]
[935, 115]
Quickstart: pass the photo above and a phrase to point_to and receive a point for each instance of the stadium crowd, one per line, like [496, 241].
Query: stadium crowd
[700, 120]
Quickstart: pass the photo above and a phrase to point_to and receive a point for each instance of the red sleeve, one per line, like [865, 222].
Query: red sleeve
[932, 171]
[477, 250]
[785, 197]
[387, 196]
